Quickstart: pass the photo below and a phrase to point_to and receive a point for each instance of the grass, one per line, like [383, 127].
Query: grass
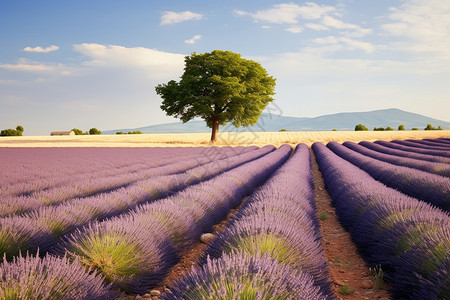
[378, 274]
[345, 289]
[340, 262]
[323, 216]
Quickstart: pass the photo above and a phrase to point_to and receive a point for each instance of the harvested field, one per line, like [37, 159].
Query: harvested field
[224, 139]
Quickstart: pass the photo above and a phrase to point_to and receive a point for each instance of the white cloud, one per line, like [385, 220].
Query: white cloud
[194, 39]
[28, 67]
[295, 29]
[171, 17]
[316, 27]
[39, 49]
[338, 24]
[424, 26]
[288, 13]
[345, 43]
[155, 63]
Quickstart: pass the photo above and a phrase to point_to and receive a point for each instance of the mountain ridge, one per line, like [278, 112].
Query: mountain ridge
[340, 121]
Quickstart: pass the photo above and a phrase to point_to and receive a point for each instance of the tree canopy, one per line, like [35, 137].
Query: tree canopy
[219, 87]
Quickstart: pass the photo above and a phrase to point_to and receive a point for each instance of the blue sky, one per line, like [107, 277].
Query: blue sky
[84, 64]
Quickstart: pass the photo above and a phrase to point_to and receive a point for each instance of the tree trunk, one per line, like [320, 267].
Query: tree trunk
[215, 128]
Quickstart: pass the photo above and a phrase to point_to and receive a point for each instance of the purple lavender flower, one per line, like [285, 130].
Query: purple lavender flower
[240, 276]
[50, 278]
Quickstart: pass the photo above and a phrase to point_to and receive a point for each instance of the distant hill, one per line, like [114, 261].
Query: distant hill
[341, 121]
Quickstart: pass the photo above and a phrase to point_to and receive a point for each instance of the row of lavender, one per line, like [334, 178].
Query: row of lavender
[29, 195]
[28, 164]
[134, 251]
[407, 237]
[43, 227]
[271, 250]
[423, 185]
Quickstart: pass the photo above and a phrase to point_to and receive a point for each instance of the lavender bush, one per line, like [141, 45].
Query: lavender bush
[244, 277]
[50, 278]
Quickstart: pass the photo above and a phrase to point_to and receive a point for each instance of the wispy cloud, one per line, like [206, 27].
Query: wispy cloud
[194, 39]
[345, 43]
[155, 63]
[288, 13]
[422, 27]
[295, 29]
[171, 17]
[39, 49]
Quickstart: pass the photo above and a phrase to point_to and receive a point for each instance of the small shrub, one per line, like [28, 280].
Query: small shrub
[389, 128]
[334, 130]
[361, 127]
[345, 289]
[12, 132]
[323, 216]
[77, 131]
[282, 130]
[119, 132]
[401, 127]
[378, 274]
[414, 128]
[378, 129]
[94, 131]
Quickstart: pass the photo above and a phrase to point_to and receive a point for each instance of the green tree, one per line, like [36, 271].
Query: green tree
[389, 128]
[12, 132]
[361, 127]
[378, 129]
[401, 127]
[429, 127]
[94, 131]
[77, 131]
[415, 128]
[219, 87]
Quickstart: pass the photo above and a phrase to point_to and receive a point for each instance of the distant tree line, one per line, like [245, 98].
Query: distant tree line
[129, 132]
[361, 127]
[92, 131]
[12, 132]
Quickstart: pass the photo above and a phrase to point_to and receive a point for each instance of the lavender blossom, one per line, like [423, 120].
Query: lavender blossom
[240, 276]
[50, 278]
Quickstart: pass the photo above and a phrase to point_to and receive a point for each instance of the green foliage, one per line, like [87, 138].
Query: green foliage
[94, 131]
[111, 255]
[323, 216]
[119, 132]
[345, 289]
[334, 130]
[219, 87]
[340, 262]
[283, 130]
[378, 274]
[414, 128]
[12, 132]
[135, 132]
[77, 131]
[378, 129]
[361, 127]
[401, 127]
[389, 128]
[430, 127]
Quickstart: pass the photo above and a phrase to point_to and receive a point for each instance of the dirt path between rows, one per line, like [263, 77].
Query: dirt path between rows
[346, 266]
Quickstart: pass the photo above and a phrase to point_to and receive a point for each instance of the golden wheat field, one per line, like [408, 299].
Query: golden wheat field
[224, 139]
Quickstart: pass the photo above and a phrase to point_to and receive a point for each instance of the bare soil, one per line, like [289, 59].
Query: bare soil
[346, 265]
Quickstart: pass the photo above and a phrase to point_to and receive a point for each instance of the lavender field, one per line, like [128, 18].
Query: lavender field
[102, 223]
